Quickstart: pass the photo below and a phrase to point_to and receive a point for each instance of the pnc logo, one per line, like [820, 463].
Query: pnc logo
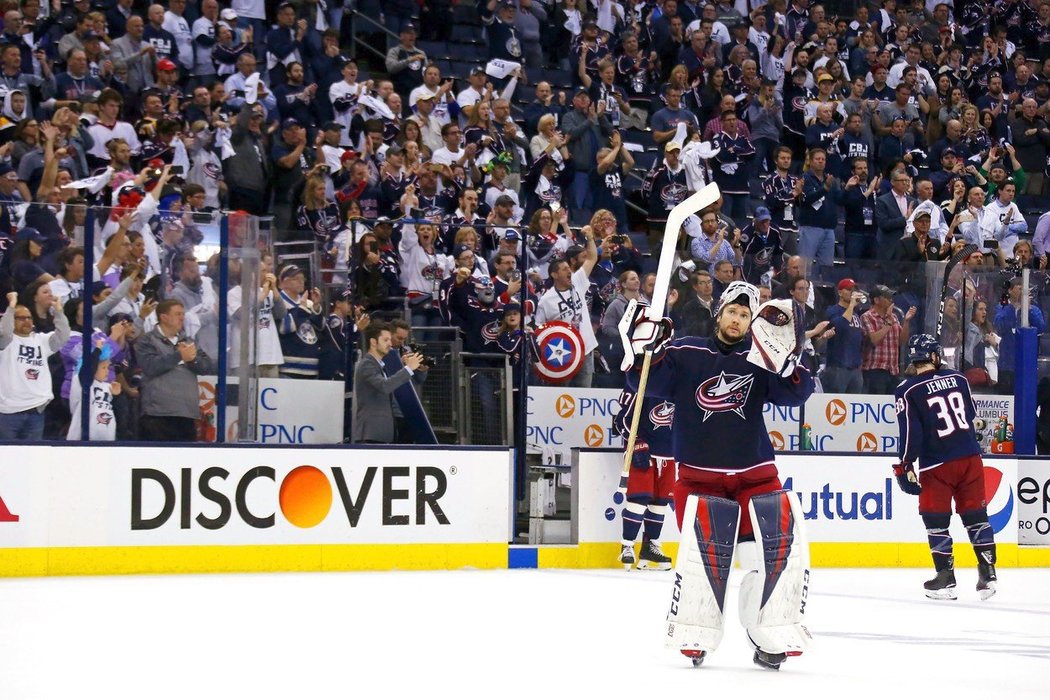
[777, 440]
[565, 406]
[836, 412]
[593, 435]
[866, 442]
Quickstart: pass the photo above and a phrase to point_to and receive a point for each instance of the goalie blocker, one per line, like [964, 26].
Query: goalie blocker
[773, 591]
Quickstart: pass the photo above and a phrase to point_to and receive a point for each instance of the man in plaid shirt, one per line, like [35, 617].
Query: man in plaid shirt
[882, 340]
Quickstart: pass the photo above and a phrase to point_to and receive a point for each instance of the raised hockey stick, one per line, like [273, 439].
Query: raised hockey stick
[964, 252]
[698, 201]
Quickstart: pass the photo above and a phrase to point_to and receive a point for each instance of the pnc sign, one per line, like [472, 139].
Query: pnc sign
[835, 412]
[565, 406]
[777, 440]
[866, 442]
[593, 435]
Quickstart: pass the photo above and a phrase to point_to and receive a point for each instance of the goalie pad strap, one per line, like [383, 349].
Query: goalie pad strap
[705, 558]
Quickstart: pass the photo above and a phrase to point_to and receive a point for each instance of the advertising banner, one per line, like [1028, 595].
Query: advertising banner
[1033, 502]
[290, 411]
[844, 499]
[560, 419]
[137, 496]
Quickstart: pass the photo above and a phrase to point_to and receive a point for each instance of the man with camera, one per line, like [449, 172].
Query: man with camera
[374, 390]
[1007, 320]
[842, 375]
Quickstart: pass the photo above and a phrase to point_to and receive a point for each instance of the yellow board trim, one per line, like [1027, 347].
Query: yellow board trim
[105, 561]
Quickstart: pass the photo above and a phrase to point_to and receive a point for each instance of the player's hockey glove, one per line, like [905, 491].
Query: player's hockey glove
[640, 458]
[907, 479]
[641, 332]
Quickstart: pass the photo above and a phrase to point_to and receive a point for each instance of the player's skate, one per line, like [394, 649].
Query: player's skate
[695, 655]
[986, 579]
[653, 557]
[627, 556]
[942, 586]
[767, 660]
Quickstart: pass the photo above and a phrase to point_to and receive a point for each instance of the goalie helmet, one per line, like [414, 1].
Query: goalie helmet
[739, 293]
[921, 346]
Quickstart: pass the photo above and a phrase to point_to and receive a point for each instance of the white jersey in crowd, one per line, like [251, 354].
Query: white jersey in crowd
[104, 134]
[345, 117]
[180, 29]
[570, 306]
[440, 106]
[422, 272]
[25, 379]
[65, 290]
[253, 9]
[102, 422]
[267, 342]
[202, 64]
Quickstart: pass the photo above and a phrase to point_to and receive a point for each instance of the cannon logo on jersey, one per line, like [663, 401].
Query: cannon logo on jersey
[662, 415]
[726, 392]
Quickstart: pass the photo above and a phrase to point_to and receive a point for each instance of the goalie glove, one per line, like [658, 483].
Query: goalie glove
[641, 332]
[907, 479]
[778, 334]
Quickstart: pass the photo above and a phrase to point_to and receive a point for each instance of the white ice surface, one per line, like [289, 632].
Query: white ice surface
[504, 634]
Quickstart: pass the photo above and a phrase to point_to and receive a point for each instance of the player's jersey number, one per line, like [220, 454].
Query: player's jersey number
[951, 413]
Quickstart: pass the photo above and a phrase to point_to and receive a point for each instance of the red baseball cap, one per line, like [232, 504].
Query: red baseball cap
[166, 64]
[846, 283]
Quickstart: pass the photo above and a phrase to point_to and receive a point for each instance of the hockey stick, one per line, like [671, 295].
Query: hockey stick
[698, 201]
[964, 252]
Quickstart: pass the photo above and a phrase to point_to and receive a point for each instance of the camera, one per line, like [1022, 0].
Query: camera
[618, 238]
[428, 360]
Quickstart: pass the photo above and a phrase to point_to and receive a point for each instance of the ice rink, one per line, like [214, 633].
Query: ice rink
[503, 634]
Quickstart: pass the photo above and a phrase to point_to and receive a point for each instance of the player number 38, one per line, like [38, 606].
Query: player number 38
[951, 413]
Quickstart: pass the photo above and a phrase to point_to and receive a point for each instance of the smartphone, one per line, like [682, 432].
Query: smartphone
[151, 289]
[175, 170]
[436, 167]
[991, 244]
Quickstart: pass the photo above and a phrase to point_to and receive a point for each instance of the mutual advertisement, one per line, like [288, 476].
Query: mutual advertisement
[562, 418]
[136, 496]
[290, 411]
[844, 499]
[1033, 502]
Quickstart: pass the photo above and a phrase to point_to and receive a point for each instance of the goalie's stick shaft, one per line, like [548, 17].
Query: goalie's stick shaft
[675, 218]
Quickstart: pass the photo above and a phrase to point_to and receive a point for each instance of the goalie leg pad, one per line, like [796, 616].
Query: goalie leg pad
[705, 558]
[774, 591]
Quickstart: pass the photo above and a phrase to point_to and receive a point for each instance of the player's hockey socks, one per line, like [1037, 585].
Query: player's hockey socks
[705, 558]
[773, 595]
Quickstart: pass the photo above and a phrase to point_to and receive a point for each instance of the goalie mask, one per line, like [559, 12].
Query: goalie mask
[739, 293]
[778, 332]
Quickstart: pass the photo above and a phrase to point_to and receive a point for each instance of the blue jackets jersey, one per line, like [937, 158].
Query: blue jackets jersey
[718, 397]
[935, 414]
[654, 425]
[844, 346]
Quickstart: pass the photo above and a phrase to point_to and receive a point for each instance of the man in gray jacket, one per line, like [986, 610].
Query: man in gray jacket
[374, 391]
[170, 364]
[587, 132]
[130, 53]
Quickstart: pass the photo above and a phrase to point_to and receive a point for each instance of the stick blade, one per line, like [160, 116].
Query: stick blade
[699, 200]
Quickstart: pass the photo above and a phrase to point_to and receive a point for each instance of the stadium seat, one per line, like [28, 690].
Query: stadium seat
[434, 49]
[466, 34]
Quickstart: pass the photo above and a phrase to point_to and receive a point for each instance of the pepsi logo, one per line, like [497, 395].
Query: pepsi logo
[999, 495]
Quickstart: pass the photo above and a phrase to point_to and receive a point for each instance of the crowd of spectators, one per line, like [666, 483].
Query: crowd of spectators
[502, 164]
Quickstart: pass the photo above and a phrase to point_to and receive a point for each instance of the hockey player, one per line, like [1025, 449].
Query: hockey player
[725, 463]
[650, 482]
[935, 414]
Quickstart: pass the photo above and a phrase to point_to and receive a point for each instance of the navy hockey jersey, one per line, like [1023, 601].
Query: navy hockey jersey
[655, 424]
[718, 397]
[935, 414]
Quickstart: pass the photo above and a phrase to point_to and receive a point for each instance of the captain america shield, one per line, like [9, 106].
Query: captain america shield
[559, 352]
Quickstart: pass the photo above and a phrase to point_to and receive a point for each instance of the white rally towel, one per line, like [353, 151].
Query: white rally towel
[251, 88]
[93, 184]
[498, 68]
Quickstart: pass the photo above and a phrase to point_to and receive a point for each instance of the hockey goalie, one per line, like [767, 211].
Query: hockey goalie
[728, 497]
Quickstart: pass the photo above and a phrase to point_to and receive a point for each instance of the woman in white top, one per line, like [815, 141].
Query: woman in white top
[268, 357]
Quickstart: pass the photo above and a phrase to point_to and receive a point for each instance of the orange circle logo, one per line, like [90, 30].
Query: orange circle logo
[777, 440]
[305, 496]
[866, 442]
[593, 435]
[565, 406]
[835, 412]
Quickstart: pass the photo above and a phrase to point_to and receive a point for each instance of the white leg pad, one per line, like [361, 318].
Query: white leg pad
[705, 558]
[774, 591]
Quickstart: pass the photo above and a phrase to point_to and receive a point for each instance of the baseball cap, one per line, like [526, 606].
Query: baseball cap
[408, 27]
[504, 200]
[921, 213]
[332, 126]
[672, 146]
[89, 35]
[228, 14]
[590, 24]
[847, 283]
[881, 290]
[948, 152]
[345, 294]
[512, 235]
[460, 249]
[821, 77]
[395, 150]
[762, 214]
[30, 234]
[512, 307]
[477, 70]
[573, 251]
[97, 287]
[290, 123]
[290, 271]
[166, 64]
[425, 94]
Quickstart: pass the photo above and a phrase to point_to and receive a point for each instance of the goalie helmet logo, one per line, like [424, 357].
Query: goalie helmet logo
[726, 392]
[662, 415]
[559, 352]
